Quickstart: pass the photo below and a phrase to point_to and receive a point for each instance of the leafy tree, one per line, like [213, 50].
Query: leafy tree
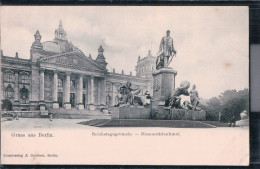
[213, 107]
[229, 103]
[234, 103]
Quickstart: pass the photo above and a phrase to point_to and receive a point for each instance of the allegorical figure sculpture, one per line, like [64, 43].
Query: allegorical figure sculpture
[194, 98]
[128, 95]
[166, 51]
[175, 100]
[244, 115]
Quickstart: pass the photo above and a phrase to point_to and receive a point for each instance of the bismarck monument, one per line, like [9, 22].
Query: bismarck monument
[166, 99]
[166, 102]
[164, 76]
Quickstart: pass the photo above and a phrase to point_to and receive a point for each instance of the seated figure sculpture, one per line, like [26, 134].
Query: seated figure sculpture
[186, 105]
[175, 100]
[128, 96]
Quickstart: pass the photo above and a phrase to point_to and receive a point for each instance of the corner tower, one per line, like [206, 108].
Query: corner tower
[146, 66]
[101, 58]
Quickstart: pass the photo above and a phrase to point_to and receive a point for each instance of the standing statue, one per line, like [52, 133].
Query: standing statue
[166, 52]
[175, 100]
[194, 98]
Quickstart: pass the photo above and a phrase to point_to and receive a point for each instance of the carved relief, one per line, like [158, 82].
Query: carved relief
[73, 61]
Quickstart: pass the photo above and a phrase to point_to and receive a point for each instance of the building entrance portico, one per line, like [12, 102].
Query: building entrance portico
[72, 89]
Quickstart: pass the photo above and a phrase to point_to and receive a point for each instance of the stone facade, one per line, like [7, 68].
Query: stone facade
[59, 75]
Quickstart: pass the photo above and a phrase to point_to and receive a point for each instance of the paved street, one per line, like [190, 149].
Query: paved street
[44, 123]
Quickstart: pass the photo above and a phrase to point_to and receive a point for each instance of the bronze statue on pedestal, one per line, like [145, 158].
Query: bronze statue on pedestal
[166, 51]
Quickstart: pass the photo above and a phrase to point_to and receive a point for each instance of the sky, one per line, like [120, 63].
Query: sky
[212, 43]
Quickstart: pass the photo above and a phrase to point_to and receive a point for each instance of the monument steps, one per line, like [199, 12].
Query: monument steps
[145, 123]
[75, 113]
[95, 122]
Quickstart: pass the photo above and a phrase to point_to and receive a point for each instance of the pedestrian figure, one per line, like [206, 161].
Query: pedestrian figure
[50, 116]
[232, 120]
[17, 117]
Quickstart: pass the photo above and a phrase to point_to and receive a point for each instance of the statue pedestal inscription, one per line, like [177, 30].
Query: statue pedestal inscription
[163, 86]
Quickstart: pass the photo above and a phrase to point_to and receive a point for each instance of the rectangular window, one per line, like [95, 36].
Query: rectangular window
[60, 83]
[24, 79]
[8, 94]
[8, 77]
[84, 84]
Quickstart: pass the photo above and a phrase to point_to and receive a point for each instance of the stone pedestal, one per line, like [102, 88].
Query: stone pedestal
[92, 107]
[55, 105]
[105, 111]
[67, 105]
[16, 105]
[163, 86]
[130, 113]
[242, 123]
[42, 106]
[80, 106]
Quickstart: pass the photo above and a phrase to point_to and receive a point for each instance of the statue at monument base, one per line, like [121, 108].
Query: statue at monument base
[194, 98]
[129, 96]
[244, 122]
[175, 100]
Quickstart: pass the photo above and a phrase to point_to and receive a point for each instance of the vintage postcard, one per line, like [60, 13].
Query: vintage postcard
[125, 85]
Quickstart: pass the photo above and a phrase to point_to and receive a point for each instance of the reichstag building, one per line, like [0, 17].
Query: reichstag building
[59, 75]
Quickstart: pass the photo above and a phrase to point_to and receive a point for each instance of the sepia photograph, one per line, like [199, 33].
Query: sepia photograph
[125, 85]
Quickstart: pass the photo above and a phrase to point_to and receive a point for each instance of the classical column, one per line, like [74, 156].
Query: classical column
[113, 94]
[99, 91]
[16, 91]
[42, 104]
[103, 91]
[88, 91]
[92, 89]
[67, 104]
[55, 90]
[42, 85]
[80, 92]
[16, 86]
[92, 92]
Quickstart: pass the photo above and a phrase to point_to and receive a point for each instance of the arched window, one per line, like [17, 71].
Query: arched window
[73, 84]
[9, 76]
[9, 92]
[24, 95]
[60, 83]
[7, 105]
[24, 77]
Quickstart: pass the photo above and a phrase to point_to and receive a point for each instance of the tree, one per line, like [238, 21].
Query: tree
[229, 103]
[233, 103]
[213, 108]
